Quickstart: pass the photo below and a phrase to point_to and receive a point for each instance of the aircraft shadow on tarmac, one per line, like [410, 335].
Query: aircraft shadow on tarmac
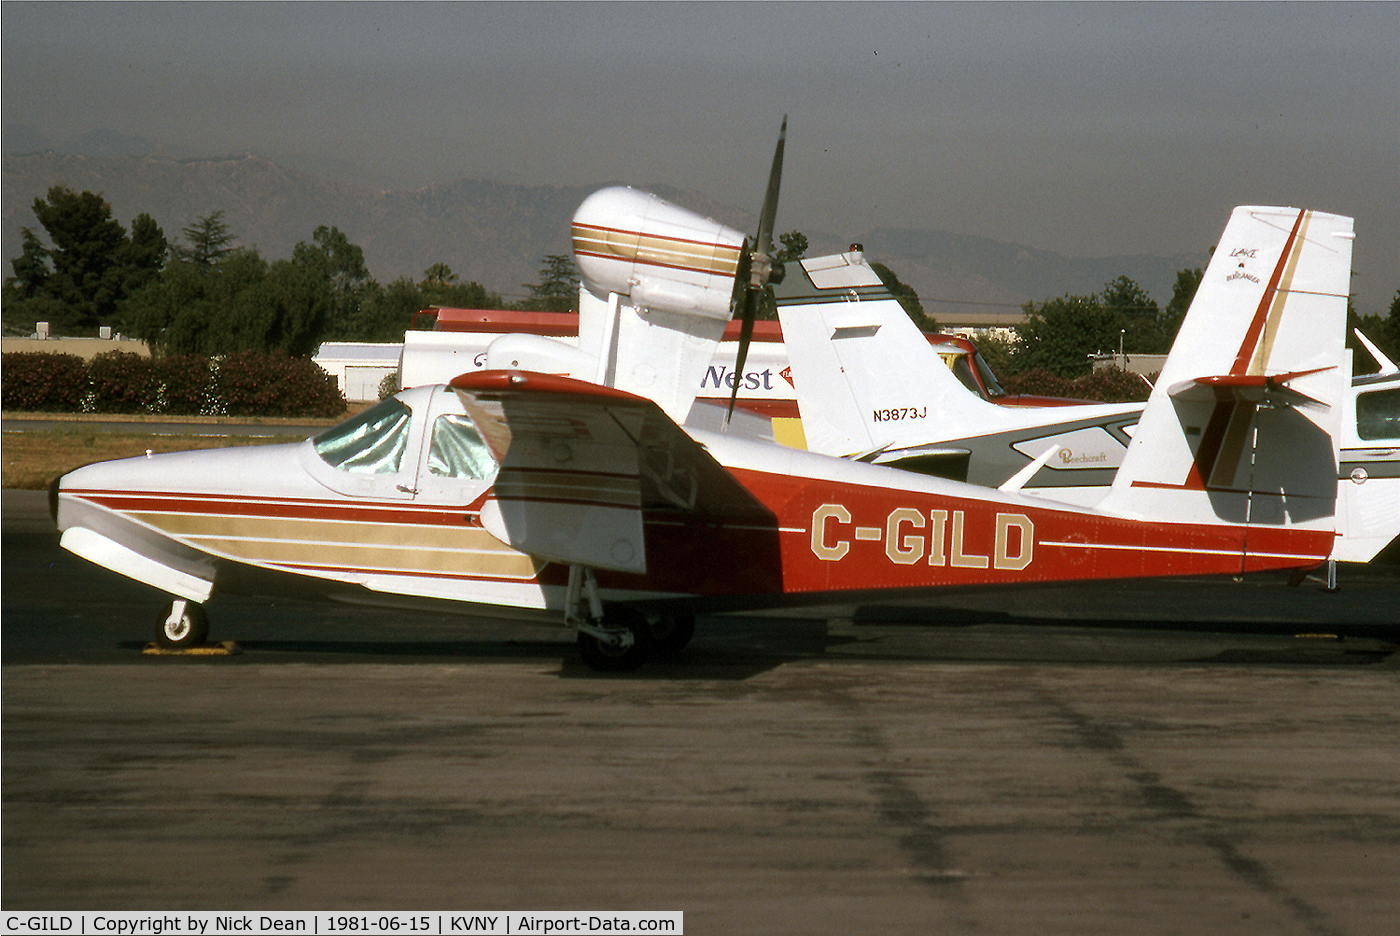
[736, 649]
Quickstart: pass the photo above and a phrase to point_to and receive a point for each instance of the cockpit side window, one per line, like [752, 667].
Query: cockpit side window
[457, 450]
[371, 443]
[1378, 414]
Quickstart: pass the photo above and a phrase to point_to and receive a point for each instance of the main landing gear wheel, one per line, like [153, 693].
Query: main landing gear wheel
[184, 625]
[600, 655]
[671, 633]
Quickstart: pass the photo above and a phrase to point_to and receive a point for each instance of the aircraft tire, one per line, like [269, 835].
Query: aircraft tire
[671, 634]
[184, 624]
[601, 657]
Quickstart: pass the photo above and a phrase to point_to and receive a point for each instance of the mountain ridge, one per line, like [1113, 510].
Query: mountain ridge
[498, 233]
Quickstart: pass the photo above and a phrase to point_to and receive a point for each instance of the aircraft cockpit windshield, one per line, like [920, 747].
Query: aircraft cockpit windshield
[372, 443]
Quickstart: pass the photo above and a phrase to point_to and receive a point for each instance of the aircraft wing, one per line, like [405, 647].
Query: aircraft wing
[581, 464]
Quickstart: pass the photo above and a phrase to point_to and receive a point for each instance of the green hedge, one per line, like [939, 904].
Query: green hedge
[248, 384]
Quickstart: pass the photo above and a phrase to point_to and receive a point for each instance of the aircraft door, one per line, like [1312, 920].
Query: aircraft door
[456, 466]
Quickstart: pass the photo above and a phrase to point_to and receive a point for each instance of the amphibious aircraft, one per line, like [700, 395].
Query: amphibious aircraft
[853, 361]
[521, 492]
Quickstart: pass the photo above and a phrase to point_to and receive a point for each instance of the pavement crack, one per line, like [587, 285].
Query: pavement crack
[918, 835]
[1170, 804]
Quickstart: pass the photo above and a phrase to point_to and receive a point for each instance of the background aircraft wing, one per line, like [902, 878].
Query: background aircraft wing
[582, 464]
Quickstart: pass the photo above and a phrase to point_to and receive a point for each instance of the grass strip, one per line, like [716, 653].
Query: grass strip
[32, 459]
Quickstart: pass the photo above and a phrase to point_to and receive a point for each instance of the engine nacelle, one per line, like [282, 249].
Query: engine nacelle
[662, 257]
[540, 354]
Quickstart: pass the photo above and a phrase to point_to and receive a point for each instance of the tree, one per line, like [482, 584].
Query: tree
[31, 267]
[1059, 335]
[340, 266]
[557, 290]
[1183, 292]
[210, 241]
[442, 287]
[144, 254]
[905, 295]
[439, 274]
[1138, 313]
[794, 247]
[1392, 328]
[92, 266]
[85, 240]
[239, 302]
[390, 310]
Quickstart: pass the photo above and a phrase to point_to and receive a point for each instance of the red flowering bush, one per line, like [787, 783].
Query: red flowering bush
[35, 381]
[120, 382]
[248, 384]
[256, 384]
[1111, 385]
[185, 384]
[1040, 382]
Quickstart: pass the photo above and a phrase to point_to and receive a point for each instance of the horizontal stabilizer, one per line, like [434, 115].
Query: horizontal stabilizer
[1250, 388]
[581, 464]
[1387, 366]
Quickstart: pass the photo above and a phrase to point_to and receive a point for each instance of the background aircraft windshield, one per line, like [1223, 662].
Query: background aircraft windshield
[989, 379]
[1378, 414]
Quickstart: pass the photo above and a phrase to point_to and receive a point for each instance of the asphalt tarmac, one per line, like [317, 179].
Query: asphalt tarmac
[1163, 758]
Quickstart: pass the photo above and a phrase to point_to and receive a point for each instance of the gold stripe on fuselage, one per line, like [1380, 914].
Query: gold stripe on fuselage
[413, 549]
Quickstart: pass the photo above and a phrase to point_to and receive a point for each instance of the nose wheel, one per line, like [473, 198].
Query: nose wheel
[183, 625]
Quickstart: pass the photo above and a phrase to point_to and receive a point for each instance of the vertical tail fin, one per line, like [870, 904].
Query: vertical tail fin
[1242, 425]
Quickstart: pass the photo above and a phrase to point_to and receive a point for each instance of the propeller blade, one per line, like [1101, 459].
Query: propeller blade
[756, 269]
[769, 214]
[745, 336]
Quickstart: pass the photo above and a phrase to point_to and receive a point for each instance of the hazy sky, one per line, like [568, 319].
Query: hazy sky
[1091, 129]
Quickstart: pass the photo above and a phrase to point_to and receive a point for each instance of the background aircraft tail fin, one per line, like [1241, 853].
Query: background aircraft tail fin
[1242, 425]
[865, 377]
